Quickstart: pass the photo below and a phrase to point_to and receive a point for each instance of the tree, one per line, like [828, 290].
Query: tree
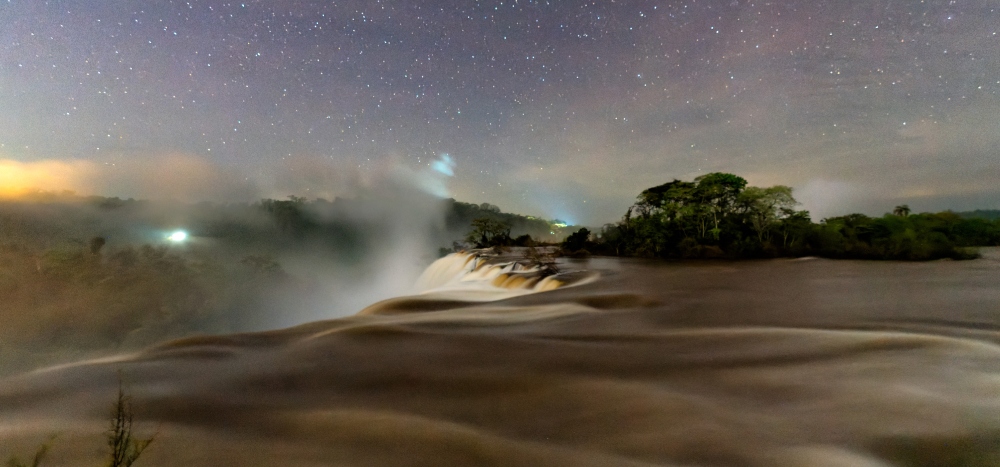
[901, 210]
[765, 207]
[489, 208]
[524, 240]
[487, 232]
[577, 240]
[125, 448]
[612, 237]
[794, 226]
[717, 194]
[678, 211]
[670, 195]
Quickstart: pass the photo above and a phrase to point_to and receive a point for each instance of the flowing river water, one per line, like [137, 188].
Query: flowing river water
[806, 362]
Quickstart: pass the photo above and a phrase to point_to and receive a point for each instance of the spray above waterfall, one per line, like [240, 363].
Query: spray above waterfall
[434, 179]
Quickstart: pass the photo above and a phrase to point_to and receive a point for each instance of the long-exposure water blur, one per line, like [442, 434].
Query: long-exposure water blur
[776, 362]
[500, 232]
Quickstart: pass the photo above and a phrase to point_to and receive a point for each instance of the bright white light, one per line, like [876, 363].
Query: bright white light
[178, 236]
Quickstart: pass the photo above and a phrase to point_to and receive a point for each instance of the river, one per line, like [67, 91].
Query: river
[805, 362]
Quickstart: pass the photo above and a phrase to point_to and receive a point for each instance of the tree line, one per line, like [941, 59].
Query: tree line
[719, 215]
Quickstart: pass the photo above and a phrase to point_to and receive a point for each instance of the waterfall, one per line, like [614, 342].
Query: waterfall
[476, 271]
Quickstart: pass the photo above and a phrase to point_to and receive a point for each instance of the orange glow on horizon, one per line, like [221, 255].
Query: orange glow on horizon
[19, 179]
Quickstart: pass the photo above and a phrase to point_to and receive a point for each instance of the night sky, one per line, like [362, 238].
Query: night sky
[563, 109]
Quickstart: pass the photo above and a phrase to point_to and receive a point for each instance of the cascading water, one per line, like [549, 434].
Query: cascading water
[476, 275]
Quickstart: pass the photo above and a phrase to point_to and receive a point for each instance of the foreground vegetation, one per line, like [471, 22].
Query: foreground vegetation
[124, 448]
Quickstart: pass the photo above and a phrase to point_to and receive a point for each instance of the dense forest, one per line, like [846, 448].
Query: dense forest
[987, 214]
[718, 215]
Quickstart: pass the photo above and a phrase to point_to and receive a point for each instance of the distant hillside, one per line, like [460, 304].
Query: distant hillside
[988, 214]
[459, 215]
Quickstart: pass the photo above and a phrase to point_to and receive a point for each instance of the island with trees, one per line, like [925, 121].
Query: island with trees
[718, 215]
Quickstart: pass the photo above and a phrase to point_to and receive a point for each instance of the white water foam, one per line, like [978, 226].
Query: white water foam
[476, 276]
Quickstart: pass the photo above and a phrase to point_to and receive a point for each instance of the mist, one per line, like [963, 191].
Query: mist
[92, 268]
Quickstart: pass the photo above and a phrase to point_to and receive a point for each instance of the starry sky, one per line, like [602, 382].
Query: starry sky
[563, 109]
